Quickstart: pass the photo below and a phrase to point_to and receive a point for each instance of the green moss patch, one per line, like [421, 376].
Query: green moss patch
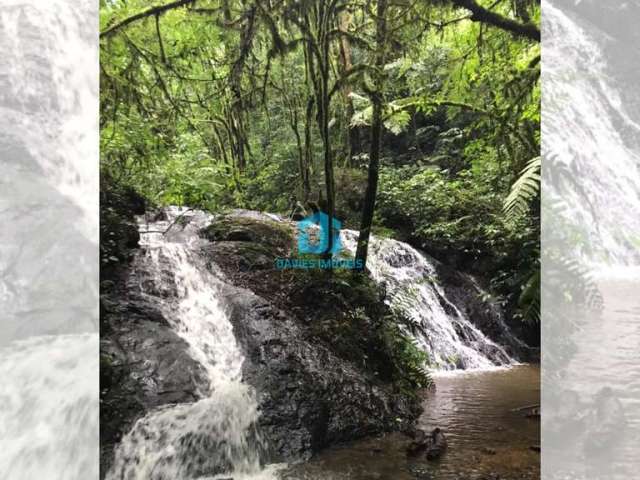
[277, 237]
[343, 309]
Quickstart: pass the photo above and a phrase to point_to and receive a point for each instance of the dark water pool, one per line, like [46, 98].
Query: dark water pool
[488, 436]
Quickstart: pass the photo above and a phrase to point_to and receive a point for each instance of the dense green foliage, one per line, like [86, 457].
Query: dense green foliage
[260, 104]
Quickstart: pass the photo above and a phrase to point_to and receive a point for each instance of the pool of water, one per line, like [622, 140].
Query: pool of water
[487, 433]
[607, 356]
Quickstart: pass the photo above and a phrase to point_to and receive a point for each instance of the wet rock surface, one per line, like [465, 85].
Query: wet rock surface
[144, 364]
[437, 444]
[484, 312]
[432, 444]
[312, 353]
[309, 397]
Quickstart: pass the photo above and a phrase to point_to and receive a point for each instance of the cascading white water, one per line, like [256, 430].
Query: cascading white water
[49, 414]
[441, 329]
[48, 241]
[592, 172]
[216, 434]
[49, 95]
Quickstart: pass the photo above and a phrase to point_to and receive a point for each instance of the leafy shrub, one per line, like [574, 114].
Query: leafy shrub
[460, 220]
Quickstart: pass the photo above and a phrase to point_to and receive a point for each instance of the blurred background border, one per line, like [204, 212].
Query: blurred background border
[590, 240]
[48, 239]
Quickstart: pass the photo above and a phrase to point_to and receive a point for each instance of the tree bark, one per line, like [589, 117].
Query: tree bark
[376, 130]
[235, 81]
[324, 103]
[352, 144]
[315, 25]
[481, 14]
[292, 107]
[308, 147]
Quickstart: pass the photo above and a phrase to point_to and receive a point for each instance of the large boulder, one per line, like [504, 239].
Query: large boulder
[144, 364]
[319, 369]
[309, 397]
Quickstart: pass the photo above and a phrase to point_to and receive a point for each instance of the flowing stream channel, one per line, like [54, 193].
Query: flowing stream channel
[440, 328]
[216, 433]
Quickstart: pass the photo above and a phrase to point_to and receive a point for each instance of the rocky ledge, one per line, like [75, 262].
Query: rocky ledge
[316, 345]
[322, 351]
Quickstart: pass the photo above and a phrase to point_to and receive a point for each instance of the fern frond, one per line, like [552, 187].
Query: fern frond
[529, 301]
[524, 190]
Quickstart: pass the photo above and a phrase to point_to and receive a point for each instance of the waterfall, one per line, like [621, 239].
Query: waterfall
[590, 140]
[591, 200]
[49, 97]
[218, 433]
[49, 415]
[439, 327]
[48, 240]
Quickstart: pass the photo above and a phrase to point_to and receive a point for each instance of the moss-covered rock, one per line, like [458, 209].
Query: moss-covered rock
[342, 309]
[269, 233]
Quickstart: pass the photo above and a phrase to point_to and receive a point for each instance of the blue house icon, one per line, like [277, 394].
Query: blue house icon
[313, 234]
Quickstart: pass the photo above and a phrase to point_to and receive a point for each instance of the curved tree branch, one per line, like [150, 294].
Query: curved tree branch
[482, 14]
[144, 14]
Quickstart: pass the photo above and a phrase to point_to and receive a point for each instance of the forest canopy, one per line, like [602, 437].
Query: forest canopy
[418, 119]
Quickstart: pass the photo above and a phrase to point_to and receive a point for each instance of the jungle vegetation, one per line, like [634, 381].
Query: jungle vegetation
[418, 119]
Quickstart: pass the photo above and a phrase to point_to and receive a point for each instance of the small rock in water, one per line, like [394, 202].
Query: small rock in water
[488, 451]
[420, 442]
[533, 413]
[421, 473]
[437, 444]
[606, 424]
[490, 476]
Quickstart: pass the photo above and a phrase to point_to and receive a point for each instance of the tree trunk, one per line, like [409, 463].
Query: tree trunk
[326, 144]
[302, 165]
[376, 129]
[238, 107]
[321, 50]
[352, 144]
[308, 150]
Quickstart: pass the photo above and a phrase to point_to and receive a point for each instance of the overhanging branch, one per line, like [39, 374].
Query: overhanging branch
[144, 14]
[482, 14]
